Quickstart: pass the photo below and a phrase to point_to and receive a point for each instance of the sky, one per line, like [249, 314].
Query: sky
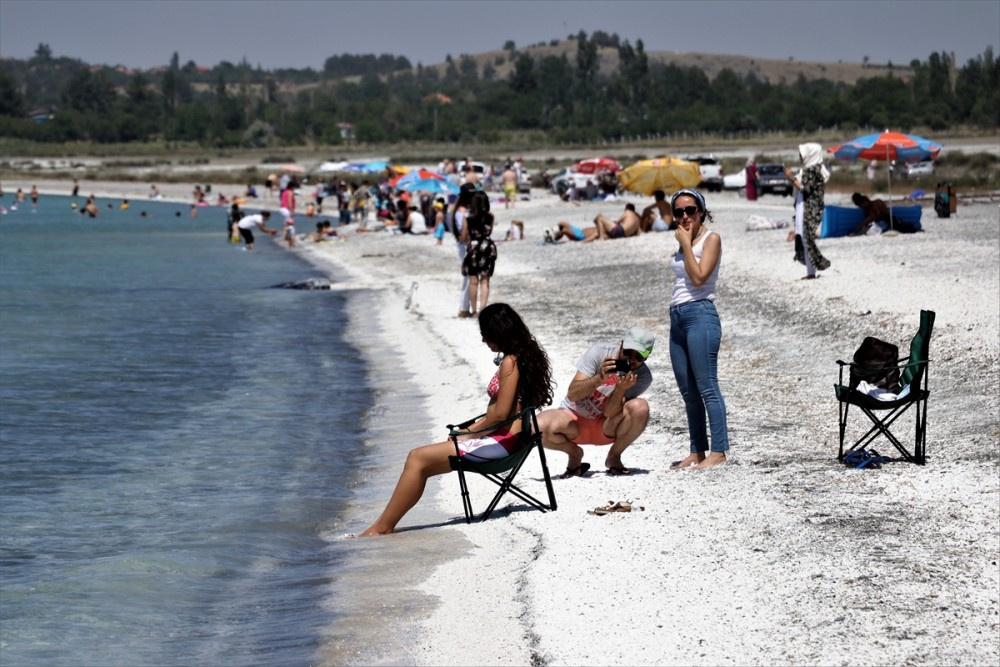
[304, 33]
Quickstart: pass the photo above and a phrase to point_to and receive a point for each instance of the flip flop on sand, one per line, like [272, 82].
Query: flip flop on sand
[618, 471]
[576, 472]
[613, 507]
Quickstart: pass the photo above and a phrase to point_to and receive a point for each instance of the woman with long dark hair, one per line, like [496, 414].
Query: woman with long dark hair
[523, 379]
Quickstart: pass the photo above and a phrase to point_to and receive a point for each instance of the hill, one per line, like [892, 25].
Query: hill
[771, 71]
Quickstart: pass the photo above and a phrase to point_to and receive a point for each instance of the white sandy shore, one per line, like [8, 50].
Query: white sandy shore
[783, 557]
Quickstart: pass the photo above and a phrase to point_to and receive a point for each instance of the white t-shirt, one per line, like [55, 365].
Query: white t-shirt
[251, 221]
[589, 364]
[684, 289]
[417, 218]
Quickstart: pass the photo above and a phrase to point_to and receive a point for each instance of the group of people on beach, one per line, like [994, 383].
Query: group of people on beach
[603, 404]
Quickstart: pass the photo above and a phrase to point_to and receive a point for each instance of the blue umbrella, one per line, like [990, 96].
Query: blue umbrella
[374, 167]
[431, 185]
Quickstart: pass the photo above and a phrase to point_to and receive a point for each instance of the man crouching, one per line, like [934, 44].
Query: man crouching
[602, 405]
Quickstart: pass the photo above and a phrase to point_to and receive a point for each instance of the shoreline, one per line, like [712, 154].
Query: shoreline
[787, 545]
[788, 556]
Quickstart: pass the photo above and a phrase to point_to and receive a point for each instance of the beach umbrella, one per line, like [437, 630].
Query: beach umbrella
[665, 173]
[374, 167]
[434, 186]
[415, 175]
[596, 164]
[887, 146]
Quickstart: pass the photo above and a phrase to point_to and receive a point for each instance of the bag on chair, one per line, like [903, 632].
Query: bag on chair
[870, 362]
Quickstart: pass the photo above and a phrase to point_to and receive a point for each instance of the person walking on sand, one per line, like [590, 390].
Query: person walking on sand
[509, 180]
[523, 379]
[811, 185]
[461, 233]
[481, 255]
[696, 331]
[602, 405]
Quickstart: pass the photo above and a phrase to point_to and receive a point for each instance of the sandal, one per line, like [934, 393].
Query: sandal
[575, 472]
[619, 471]
[611, 507]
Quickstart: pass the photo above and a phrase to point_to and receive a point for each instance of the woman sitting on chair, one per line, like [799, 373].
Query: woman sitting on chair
[523, 379]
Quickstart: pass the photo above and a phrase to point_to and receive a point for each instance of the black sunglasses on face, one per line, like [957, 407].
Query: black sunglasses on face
[633, 355]
[690, 210]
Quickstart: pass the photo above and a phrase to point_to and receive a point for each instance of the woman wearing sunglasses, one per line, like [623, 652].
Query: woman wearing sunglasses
[695, 330]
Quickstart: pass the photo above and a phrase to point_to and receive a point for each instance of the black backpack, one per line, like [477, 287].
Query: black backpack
[873, 355]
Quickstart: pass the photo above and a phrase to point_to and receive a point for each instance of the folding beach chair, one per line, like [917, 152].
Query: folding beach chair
[914, 393]
[502, 471]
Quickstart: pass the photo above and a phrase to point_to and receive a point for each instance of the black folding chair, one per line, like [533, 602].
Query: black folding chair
[502, 472]
[913, 375]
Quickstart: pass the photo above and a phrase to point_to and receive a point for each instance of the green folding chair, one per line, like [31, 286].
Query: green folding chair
[502, 472]
[913, 372]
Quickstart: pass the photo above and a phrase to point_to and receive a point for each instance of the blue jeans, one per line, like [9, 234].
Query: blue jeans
[695, 335]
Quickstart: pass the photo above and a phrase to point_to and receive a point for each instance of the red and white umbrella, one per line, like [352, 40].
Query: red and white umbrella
[596, 164]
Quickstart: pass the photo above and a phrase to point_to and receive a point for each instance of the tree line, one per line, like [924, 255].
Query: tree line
[562, 99]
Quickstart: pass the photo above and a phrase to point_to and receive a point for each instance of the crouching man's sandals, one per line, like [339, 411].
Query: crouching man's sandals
[576, 472]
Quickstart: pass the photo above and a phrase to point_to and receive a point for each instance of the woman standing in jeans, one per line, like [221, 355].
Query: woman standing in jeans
[695, 330]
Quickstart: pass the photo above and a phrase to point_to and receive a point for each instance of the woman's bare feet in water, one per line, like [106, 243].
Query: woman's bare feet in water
[713, 459]
[375, 530]
[692, 460]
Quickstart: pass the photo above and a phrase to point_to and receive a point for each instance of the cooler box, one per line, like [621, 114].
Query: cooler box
[842, 220]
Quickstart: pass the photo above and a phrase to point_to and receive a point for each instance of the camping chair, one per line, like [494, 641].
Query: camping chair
[502, 471]
[913, 375]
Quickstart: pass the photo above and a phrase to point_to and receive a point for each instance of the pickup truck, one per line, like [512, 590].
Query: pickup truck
[712, 173]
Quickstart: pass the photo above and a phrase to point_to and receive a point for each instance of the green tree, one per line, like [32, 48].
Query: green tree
[522, 80]
[11, 99]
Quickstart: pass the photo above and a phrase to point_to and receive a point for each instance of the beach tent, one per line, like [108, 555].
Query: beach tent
[842, 220]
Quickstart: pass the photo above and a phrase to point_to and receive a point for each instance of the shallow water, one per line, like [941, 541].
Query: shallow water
[176, 441]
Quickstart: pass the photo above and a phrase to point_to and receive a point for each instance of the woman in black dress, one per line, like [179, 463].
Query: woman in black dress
[481, 256]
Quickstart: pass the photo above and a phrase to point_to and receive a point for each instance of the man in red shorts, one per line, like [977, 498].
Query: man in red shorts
[602, 405]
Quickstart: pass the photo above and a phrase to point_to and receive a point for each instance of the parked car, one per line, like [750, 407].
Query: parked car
[771, 179]
[918, 169]
[712, 173]
[736, 181]
[567, 178]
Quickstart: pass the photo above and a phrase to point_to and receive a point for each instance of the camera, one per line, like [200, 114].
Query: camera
[622, 366]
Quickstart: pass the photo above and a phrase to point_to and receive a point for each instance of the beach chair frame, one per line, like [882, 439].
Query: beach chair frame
[502, 472]
[913, 373]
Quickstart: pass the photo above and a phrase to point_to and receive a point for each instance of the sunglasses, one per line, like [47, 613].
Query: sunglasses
[690, 210]
[633, 355]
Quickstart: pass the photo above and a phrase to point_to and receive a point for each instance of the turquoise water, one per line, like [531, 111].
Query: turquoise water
[175, 439]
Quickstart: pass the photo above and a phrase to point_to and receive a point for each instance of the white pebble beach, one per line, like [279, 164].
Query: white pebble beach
[783, 556]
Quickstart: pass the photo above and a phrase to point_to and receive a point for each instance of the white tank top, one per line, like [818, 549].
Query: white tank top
[684, 289]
